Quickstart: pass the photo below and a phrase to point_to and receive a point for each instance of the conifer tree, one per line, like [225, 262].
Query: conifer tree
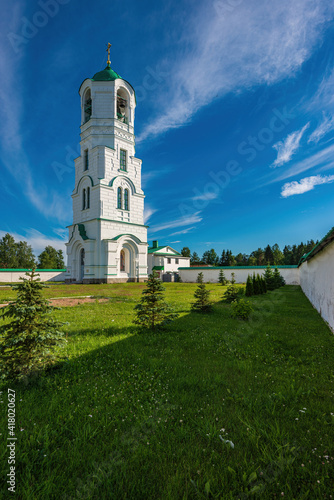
[232, 292]
[255, 285]
[269, 278]
[278, 279]
[202, 303]
[222, 279]
[153, 311]
[249, 286]
[199, 278]
[264, 286]
[28, 342]
[259, 284]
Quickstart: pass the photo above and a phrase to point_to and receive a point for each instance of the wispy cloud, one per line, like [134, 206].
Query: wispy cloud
[304, 185]
[148, 212]
[205, 197]
[257, 43]
[324, 97]
[182, 221]
[13, 155]
[184, 231]
[287, 148]
[325, 126]
[323, 160]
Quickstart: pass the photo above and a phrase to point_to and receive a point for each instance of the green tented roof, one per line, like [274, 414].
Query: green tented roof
[318, 247]
[158, 268]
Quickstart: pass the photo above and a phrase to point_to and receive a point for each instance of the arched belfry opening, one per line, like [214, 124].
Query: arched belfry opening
[122, 106]
[87, 105]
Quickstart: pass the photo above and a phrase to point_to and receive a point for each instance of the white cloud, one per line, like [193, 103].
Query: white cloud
[148, 212]
[287, 148]
[304, 185]
[324, 97]
[39, 241]
[13, 129]
[184, 231]
[182, 221]
[325, 126]
[256, 43]
[205, 196]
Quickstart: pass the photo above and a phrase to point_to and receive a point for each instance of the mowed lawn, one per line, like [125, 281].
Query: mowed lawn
[212, 407]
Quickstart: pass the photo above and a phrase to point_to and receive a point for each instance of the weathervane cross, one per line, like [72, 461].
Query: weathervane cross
[108, 50]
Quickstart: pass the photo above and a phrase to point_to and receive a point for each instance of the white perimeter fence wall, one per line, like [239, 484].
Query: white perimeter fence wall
[211, 274]
[317, 282]
[13, 275]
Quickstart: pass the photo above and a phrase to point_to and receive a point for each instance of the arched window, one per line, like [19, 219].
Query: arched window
[87, 106]
[84, 199]
[122, 260]
[126, 199]
[122, 106]
[119, 197]
[88, 197]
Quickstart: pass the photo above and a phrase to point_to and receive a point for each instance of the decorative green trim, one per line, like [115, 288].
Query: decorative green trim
[126, 234]
[158, 268]
[127, 179]
[166, 254]
[37, 270]
[82, 232]
[235, 267]
[91, 180]
[326, 240]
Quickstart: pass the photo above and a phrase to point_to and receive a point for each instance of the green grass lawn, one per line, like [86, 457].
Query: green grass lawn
[145, 416]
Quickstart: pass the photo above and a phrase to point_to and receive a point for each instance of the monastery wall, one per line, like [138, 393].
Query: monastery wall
[317, 282]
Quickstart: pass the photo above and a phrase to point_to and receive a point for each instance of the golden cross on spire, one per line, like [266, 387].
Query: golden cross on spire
[108, 50]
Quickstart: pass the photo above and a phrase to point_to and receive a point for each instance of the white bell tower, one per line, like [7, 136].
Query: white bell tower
[108, 238]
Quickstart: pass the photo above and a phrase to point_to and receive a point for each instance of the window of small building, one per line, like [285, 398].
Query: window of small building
[176, 261]
[122, 159]
[169, 260]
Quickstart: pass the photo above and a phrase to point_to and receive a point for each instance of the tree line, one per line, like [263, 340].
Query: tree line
[19, 255]
[272, 255]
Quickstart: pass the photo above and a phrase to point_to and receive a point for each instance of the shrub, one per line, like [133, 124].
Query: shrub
[153, 311]
[202, 303]
[222, 279]
[249, 286]
[28, 342]
[232, 292]
[241, 309]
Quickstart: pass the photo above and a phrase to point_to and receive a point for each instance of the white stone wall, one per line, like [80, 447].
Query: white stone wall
[317, 282]
[211, 275]
[15, 275]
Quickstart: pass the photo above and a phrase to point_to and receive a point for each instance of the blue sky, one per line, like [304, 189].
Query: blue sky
[234, 119]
